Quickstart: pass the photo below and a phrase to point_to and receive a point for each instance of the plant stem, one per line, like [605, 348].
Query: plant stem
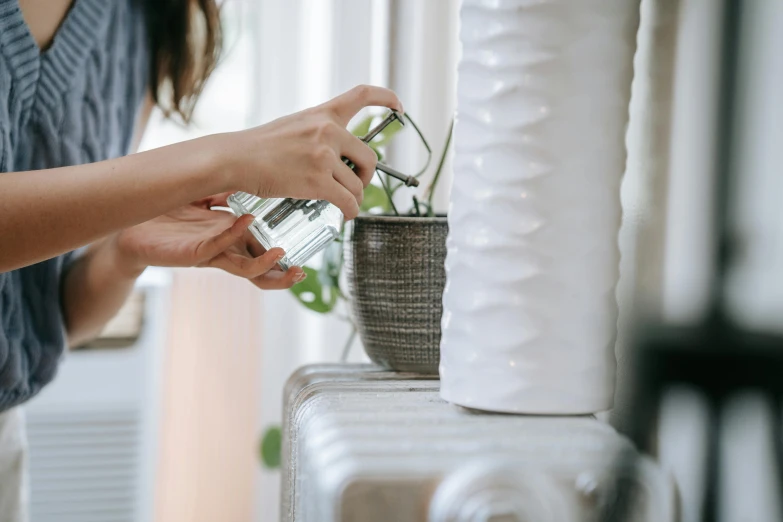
[416, 206]
[424, 142]
[436, 177]
[389, 193]
[348, 344]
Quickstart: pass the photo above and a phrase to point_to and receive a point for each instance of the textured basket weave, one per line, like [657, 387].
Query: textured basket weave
[396, 278]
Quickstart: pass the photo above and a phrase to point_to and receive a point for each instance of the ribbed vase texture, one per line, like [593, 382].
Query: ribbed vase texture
[530, 313]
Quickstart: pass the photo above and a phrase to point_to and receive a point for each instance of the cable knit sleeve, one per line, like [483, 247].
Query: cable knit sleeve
[32, 336]
[5, 88]
[3, 146]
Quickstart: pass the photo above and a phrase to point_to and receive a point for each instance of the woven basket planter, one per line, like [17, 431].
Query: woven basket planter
[395, 269]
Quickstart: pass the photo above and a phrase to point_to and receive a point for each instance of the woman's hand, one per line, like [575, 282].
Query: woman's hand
[297, 156]
[300, 156]
[194, 235]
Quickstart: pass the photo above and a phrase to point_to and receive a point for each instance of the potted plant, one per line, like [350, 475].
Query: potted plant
[395, 273]
[394, 259]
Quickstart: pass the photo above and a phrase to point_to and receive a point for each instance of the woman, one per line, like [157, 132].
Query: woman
[78, 79]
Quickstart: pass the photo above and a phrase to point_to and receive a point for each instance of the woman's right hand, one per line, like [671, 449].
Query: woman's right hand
[299, 156]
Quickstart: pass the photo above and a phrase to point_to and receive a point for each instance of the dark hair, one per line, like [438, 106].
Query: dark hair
[185, 43]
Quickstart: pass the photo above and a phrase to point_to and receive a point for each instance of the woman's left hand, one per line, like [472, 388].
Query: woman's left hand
[195, 235]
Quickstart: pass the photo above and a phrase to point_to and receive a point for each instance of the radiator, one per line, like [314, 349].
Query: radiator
[93, 431]
[363, 444]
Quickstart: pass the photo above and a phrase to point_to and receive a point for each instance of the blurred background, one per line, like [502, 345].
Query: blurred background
[161, 418]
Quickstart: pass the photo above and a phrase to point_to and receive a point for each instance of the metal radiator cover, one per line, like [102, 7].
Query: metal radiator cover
[364, 444]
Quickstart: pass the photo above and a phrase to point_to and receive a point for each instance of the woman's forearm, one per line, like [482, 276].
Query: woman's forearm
[94, 289]
[45, 213]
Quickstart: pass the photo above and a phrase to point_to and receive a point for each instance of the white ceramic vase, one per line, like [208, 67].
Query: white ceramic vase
[530, 314]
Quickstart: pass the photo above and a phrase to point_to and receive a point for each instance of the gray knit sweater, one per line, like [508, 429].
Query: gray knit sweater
[74, 103]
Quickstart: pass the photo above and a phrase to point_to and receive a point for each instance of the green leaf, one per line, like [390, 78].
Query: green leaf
[313, 294]
[363, 127]
[271, 447]
[375, 198]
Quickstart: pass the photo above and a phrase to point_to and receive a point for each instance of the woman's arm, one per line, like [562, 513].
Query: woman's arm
[45, 213]
[49, 212]
[96, 286]
[93, 290]
[98, 283]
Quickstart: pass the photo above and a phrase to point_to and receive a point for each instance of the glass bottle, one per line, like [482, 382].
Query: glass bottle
[301, 227]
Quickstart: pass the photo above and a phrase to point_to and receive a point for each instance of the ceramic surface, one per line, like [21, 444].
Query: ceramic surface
[530, 313]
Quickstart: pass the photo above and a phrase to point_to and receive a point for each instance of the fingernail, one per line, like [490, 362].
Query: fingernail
[279, 256]
[301, 277]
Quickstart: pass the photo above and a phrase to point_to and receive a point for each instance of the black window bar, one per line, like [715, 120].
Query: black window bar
[715, 357]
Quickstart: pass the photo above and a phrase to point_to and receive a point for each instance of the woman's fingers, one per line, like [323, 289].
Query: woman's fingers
[348, 179]
[260, 274]
[215, 245]
[252, 246]
[219, 200]
[348, 104]
[280, 280]
[262, 271]
[360, 154]
[252, 267]
[335, 193]
[227, 262]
